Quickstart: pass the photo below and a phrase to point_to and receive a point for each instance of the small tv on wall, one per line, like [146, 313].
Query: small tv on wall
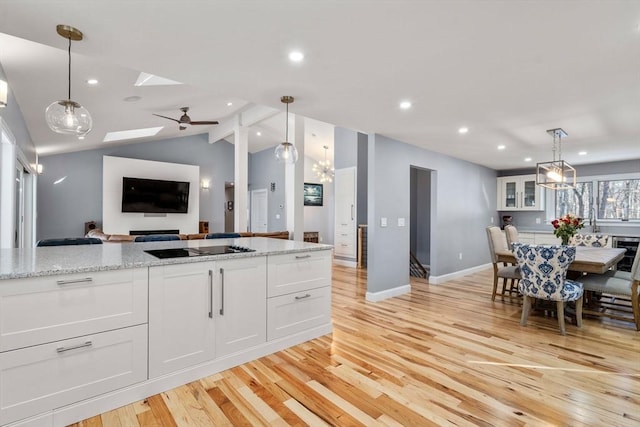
[154, 195]
[312, 194]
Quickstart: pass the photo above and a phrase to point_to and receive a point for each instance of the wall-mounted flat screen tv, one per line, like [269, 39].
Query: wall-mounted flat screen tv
[312, 194]
[154, 195]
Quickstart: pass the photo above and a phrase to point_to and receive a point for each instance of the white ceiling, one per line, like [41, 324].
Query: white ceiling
[507, 70]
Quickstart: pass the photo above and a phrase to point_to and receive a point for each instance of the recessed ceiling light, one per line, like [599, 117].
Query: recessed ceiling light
[527, 159]
[134, 98]
[81, 137]
[463, 130]
[229, 104]
[259, 133]
[405, 105]
[296, 56]
[501, 147]
[131, 134]
[582, 153]
[92, 81]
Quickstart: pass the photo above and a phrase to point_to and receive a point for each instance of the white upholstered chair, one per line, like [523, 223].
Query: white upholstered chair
[511, 233]
[616, 284]
[505, 272]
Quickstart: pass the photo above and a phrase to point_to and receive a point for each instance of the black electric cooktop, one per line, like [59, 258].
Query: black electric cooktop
[193, 252]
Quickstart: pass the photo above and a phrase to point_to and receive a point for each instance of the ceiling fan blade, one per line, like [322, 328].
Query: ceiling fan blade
[165, 117]
[212, 122]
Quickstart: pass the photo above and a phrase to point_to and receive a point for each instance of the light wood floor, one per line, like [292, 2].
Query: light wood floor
[441, 355]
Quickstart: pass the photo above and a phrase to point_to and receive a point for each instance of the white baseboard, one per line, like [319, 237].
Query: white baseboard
[436, 280]
[388, 293]
[345, 262]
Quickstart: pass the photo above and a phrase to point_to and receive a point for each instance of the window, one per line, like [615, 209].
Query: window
[619, 199]
[576, 200]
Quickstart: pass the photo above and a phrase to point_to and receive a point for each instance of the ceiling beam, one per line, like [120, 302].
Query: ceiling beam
[248, 118]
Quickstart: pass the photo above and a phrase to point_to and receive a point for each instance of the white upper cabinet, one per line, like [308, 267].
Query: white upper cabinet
[519, 193]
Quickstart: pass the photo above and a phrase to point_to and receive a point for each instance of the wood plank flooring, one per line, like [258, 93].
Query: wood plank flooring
[441, 355]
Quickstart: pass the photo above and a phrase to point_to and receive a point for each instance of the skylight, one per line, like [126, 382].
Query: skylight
[146, 79]
[131, 134]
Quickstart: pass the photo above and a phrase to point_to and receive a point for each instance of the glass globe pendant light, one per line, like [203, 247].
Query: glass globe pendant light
[67, 116]
[285, 151]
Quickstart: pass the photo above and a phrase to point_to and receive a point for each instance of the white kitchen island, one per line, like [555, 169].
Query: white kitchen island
[86, 329]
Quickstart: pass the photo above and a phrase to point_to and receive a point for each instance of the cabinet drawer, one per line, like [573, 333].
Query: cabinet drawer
[297, 272]
[288, 314]
[45, 377]
[45, 309]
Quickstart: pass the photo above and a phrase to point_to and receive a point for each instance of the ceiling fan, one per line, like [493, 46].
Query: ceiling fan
[185, 120]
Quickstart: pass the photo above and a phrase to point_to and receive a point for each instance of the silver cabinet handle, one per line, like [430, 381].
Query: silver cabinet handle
[74, 347]
[302, 256]
[304, 296]
[351, 212]
[222, 285]
[211, 294]
[74, 281]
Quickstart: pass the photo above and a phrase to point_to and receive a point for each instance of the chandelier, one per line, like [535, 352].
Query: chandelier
[556, 174]
[323, 169]
[67, 116]
[285, 151]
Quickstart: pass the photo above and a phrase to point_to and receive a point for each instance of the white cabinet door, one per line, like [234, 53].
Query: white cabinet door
[519, 193]
[241, 309]
[345, 201]
[48, 376]
[50, 308]
[181, 316]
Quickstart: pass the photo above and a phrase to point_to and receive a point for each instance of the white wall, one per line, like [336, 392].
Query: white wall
[116, 222]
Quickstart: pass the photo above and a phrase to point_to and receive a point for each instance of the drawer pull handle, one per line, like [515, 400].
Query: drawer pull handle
[74, 281]
[75, 347]
[302, 256]
[222, 286]
[210, 294]
[304, 296]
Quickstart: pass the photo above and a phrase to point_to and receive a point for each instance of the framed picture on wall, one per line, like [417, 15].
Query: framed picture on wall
[312, 194]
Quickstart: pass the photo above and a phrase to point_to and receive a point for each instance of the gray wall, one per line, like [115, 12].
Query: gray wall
[63, 208]
[362, 177]
[12, 115]
[320, 218]
[263, 170]
[464, 199]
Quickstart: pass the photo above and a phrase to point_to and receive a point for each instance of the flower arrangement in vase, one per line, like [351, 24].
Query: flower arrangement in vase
[566, 227]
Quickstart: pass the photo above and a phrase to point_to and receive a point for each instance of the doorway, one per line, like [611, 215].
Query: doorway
[420, 214]
[259, 213]
[229, 198]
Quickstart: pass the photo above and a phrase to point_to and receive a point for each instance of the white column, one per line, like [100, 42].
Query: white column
[7, 185]
[294, 183]
[241, 174]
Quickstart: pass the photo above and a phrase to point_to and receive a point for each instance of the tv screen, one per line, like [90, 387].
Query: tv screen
[312, 194]
[154, 195]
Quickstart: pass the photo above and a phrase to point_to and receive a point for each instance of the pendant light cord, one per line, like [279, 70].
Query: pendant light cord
[286, 133]
[69, 80]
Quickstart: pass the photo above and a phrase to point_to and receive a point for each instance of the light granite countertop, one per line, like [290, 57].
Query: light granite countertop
[45, 261]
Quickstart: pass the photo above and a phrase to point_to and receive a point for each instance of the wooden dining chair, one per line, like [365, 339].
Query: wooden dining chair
[616, 290]
[543, 270]
[506, 272]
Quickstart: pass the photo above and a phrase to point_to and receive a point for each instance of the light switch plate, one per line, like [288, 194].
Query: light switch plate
[401, 222]
[383, 222]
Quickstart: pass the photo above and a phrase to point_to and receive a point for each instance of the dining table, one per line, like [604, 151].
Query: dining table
[588, 259]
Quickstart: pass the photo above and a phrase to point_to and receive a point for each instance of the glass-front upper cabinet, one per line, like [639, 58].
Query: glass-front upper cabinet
[519, 193]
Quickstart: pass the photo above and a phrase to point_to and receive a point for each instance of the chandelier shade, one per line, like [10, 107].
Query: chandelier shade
[66, 116]
[556, 174]
[323, 169]
[286, 152]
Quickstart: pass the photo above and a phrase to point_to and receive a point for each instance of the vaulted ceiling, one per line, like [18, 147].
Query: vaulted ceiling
[507, 71]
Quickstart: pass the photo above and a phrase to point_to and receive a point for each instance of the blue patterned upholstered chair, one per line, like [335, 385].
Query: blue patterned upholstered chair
[497, 243]
[544, 276]
[70, 241]
[156, 237]
[595, 240]
[222, 236]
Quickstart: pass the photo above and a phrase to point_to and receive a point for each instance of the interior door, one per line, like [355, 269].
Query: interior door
[259, 213]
